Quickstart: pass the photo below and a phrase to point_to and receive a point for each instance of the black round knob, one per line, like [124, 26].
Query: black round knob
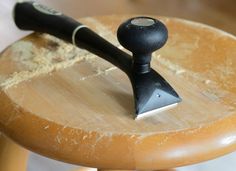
[142, 36]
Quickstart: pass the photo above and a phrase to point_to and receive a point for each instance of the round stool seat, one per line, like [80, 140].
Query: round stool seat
[70, 105]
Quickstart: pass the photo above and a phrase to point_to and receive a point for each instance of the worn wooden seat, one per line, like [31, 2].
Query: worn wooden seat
[67, 104]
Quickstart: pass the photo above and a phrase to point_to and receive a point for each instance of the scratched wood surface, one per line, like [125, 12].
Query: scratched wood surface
[68, 104]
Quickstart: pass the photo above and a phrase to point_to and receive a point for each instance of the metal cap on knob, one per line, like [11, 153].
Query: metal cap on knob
[142, 36]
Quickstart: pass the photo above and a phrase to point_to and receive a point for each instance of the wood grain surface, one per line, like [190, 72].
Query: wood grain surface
[67, 104]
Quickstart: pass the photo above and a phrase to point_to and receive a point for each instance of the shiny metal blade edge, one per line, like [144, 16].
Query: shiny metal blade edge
[155, 111]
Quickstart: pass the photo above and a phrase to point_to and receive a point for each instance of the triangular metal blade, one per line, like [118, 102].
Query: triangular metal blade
[152, 93]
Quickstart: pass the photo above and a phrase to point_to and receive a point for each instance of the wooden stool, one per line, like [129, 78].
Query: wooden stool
[70, 105]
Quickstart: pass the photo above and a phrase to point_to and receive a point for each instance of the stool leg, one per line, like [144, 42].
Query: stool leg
[130, 170]
[12, 156]
[92, 169]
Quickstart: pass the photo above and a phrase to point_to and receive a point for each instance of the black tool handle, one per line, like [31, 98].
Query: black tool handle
[30, 15]
[142, 36]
